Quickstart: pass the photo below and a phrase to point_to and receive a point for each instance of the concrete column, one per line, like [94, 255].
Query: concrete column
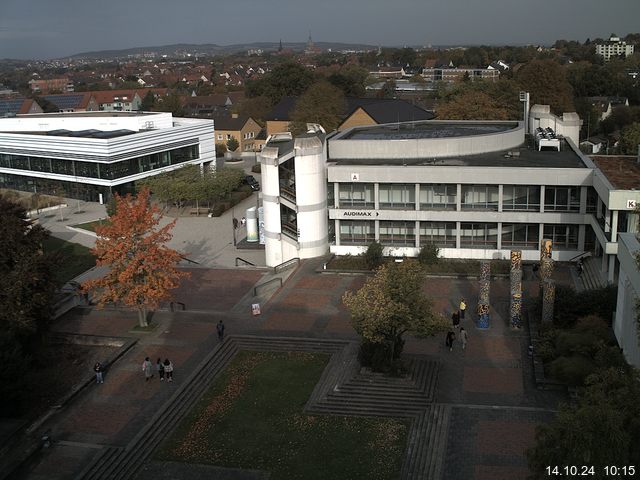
[583, 200]
[500, 235]
[500, 194]
[614, 226]
[336, 194]
[459, 201]
[541, 201]
[337, 230]
[417, 196]
[540, 233]
[417, 234]
[377, 229]
[582, 232]
[376, 195]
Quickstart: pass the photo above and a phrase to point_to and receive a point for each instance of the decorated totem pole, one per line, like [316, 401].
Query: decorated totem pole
[483, 299]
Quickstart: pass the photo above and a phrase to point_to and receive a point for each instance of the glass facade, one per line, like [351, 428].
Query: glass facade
[520, 235]
[398, 233]
[564, 237]
[479, 197]
[562, 199]
[438, 197]
[397, 195]
[357, 232]
[521, 198]
[104, 171]
[359, 195]
[440, 234]
[478, 235]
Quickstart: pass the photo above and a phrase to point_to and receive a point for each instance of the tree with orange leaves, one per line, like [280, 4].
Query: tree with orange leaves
[142, 269]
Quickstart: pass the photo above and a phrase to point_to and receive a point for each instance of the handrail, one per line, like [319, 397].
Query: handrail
[286, 264]
[255, 289]
[583, 254]
[247, 262]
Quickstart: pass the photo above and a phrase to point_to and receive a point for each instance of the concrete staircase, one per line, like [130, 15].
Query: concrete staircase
[343, 389]
[592, 277]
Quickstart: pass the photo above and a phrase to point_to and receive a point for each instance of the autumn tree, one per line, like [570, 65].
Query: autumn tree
[481, 100]
[390, 304]
[630, 139]
[322, 103]
[286, 79]
[142, 269]
[546, 81]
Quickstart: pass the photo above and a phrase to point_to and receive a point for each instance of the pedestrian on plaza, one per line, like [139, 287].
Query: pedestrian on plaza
[455, 319]
[463, 307]
[160, 368]
[168, 369]
[99, 370]
[464, 337]
[147, 369]
[243, 221]
[450, 338]
[220, 329]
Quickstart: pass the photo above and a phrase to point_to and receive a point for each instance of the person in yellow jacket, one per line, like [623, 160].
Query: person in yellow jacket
[463, 307]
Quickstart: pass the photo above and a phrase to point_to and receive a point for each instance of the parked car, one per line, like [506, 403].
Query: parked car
[252, 182]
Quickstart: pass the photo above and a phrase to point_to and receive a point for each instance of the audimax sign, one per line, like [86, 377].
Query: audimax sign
[360, 213]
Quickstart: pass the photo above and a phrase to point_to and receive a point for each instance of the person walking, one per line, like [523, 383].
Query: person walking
[99, 371]
[160, 368]
[168, 370]
[450, 338]
[220, 329]
[464, 337]
[463, 307]
[455, 319]
[147, 369]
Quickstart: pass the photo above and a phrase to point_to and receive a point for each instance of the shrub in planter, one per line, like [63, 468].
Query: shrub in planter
[572, 370]
[428, 254]
[583, 343]
[373, 256]
[257, 168]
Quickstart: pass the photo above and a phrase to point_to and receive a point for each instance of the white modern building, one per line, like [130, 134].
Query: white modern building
[474, 189]
[614, 47]
[89, 155]
[625, 325]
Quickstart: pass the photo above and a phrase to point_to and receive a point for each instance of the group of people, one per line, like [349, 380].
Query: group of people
[164, 369]
[456, 317]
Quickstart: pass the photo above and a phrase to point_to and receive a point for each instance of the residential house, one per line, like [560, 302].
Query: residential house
[614, 47]
[118, 100]
[18, 106]
[74, 102]
[241, 127]
[605, 105]
[51, 85]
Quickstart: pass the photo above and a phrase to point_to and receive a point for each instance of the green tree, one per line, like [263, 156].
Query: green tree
[322, 103]
[286, 79]
[481, 100]
[171, 103]
[148, 102]
[392, 303]
[351, 79]
[232, 144]
[27, 281]
[428, 254]
[546, 81]
[373, 257]
[388, 90]
[630, 139]
[256, 107]
[602, 429]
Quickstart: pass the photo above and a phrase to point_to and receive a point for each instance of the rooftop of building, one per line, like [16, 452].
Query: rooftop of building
[89, 114]
[525, 156]
[623, 172]
[434, 129]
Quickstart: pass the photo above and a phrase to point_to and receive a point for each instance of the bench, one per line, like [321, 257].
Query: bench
[198, 211]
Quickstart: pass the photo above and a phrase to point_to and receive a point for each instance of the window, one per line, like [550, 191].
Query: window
[521, 198]
[398, 233]
[86, 169]
[440, 234]
[479, 197]
[63, 167]
[438, 197]
[521, 235]
[592, 200]
[357, 232]
[564, 237]
[219, 136]
[228, 136]
[400, 196]
[562, 199]
[356, 195]
[479, 235]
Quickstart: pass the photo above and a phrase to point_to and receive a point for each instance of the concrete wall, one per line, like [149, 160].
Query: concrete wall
[567, 126]
[79, 121]
[624, 325]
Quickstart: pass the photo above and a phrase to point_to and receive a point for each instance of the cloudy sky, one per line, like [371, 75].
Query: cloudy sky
[56, 28]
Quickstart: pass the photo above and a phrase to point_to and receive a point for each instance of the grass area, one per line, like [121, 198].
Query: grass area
[75, 259]
[252, 418]
[91, 226]
[443, 266]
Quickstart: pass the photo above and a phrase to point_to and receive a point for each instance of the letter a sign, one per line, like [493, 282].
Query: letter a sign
[355, 177]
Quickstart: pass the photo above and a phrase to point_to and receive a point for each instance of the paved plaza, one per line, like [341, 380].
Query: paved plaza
[488, 387]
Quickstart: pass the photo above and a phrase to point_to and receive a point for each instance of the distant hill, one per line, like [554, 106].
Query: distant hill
[213, 49]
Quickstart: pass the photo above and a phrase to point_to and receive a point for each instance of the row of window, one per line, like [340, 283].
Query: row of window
[443, 234]
[106, 171]
[473, 197]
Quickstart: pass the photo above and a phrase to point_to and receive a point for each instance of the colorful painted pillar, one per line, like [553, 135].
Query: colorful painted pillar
[548, 300]
[483, 298]
[515, 307]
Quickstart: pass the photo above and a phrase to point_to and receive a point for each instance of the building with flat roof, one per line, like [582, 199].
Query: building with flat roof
[89, 155]
[614, 47]
[473, 189]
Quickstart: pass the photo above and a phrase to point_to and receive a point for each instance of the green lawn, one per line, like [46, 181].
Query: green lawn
[75, 260]
[91, 226]
[252, 418]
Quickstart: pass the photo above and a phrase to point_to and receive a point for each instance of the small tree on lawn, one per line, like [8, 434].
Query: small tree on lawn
[232, 144]
[390, 304]
[142, 269]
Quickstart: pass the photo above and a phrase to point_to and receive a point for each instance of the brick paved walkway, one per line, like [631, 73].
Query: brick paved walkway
[490, 386]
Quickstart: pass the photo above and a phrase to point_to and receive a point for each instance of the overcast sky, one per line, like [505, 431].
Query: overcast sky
[56, 28]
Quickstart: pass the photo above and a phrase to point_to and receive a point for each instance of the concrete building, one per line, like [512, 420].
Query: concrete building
[474, 189]
[625, 325]
[614, 47]
[89, 155]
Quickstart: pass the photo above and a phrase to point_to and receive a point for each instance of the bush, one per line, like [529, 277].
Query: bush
[373, 256]
[221, 149]
[428, 254]
[571, 305]
[232, 144]
[572, 370]
[257, 168]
